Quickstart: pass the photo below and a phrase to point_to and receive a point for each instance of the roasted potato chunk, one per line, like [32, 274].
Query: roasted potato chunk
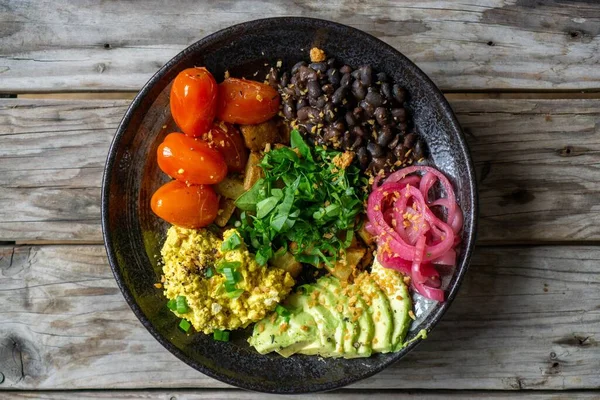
[231, 188]
[344, 267]
[226, 209]
[253, 171]
[256, 137]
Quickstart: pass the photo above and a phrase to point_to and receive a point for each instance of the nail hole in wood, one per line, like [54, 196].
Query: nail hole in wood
[107, 46]
[490, 43]
[574, 34]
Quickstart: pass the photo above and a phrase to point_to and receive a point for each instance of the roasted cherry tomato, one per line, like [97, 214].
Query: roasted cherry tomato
[229, 142]
[194, 100]
[246, 102]
[190, 160]
[192, 206]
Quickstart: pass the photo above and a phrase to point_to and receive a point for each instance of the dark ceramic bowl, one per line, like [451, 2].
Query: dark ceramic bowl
[133, 235]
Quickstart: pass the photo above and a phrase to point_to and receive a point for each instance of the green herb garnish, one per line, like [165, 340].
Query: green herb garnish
[233, 242]
[220, 335]
[172, 305]
[181, 305]
[282, 311]
[209, 272]
[304, 200]
[185, 325]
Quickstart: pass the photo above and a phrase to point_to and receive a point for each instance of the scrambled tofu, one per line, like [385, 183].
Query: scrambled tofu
[188, 254]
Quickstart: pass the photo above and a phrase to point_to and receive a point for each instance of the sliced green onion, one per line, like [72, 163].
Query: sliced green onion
[172, 304]
[220, 335]
[282, 311]
[233, 242]
[228, 264]
[181, 305]
[185, 325]
[209, 272]
[229, 287]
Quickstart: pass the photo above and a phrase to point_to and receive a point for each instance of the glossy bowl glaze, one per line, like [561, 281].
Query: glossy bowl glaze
[133, 234]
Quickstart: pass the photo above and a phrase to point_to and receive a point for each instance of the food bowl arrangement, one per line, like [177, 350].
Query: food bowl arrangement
[289, 205]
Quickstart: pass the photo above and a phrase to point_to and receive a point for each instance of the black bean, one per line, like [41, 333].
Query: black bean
[357, 143]
[381, 115]
[363, 156]
[299, 90]
[310, 128]
[358, 113]
[396, 140]
[272, 78]
[358, 90]
[314, 90]
[399, 93]
[288, 111]
[358, 130]
[329, 112]
[294, 79]
[346, 69]
[402, 126]
[339, 125]
[375, 150]
[331, 134]
[319, 67]
[382, 77]
[308, 113]
[409, 140]
[369, 109]
[328, 89]
[289, 92]
[285, 79]
[350, 120]
[355, 74]
[347, 139]
[307, 74]
[399, 152]
[385, 136]
[366, 74]
[419, 149]
[386, 90]
[377, 164]
[297, 66]
[374, 98]
[399, 114]
[334, 76]
[345, 81]
[303, 102]
[331, 62]
[318, 102]
[338, 95]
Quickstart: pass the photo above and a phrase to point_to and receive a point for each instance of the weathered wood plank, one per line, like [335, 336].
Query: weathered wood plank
[537, 162]
[485, 45]
[526, 318]
[337, 395]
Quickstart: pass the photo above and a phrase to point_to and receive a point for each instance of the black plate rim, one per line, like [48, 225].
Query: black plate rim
[112, 258]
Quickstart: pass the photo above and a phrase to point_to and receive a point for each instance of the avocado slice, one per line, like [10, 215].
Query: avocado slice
[351, 327]
[392, 284]
[271, 335]
[326, 323]
[330, 294]
[366, 329]
[380, 311]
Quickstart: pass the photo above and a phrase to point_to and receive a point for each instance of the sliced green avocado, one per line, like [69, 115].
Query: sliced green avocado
[329, 292]
[326, 323]
[366, 330]
[379, 308]
[351, 327]
[269, 335]
[392, 284]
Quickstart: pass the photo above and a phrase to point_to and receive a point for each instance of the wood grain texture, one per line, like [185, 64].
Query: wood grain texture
[337, 395]
[484, 45]
[537, 163]
[526, 318]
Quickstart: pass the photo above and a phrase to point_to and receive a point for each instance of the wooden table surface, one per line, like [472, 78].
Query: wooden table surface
[524, 79]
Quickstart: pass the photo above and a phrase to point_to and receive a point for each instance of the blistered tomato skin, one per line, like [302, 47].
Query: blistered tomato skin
[190, 160]
[194, 100]
[246, 102]
[227, 139]
[192, 207]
